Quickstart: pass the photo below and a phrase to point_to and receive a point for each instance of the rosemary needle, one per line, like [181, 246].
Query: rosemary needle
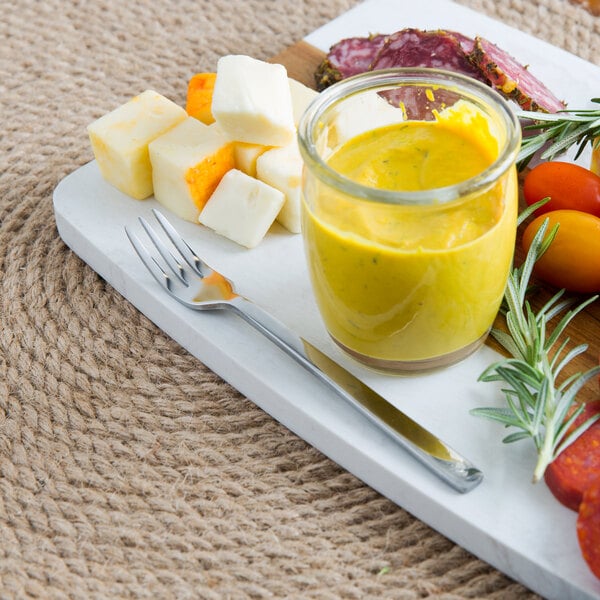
[537, 405]
[554, 133]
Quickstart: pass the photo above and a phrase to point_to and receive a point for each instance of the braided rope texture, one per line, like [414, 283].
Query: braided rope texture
[127, 468]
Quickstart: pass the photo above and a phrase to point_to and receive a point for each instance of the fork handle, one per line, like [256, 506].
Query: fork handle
[436, 455]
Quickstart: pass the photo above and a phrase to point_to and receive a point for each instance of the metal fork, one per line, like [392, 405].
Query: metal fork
[189, 280]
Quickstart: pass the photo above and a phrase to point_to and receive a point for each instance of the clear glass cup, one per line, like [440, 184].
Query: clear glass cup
[410, 202]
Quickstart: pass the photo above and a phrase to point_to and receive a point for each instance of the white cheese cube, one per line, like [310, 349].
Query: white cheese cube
[252, 101]
[120, 140]
[242, 208]
[282, 169]
[302, 96]
[187, 164]
[246, 155]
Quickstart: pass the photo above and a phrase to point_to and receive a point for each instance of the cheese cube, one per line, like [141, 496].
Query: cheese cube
[199, 97]
[242, 208]
[246, 155]
[252, 101]
[282, 169]
[120, 140]
[302, 96]
[187, 164]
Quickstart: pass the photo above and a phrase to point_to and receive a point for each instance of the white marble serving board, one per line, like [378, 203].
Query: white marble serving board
[517, 527]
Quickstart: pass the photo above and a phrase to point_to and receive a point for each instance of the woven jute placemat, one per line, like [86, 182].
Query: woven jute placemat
[127, 468]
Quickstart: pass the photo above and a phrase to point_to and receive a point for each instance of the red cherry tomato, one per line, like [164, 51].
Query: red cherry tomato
[573, 259]
[568, 185]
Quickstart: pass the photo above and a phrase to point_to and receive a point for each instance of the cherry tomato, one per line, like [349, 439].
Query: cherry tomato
[568, 185]
[572, 260]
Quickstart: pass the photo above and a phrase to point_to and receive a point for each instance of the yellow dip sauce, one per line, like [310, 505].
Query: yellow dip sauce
[412, 283]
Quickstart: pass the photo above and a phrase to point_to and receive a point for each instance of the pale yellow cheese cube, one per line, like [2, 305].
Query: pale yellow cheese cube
[252, 101]
[302, 96]
[282, 169]
[188, 163]
[246, 156]
[242, 208]
[120, 140]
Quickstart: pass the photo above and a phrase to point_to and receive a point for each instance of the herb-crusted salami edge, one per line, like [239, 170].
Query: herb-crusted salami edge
[326, 75]
[511, 79]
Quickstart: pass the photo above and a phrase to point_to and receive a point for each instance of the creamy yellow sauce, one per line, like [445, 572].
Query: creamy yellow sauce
[411, 283]
[415, 155]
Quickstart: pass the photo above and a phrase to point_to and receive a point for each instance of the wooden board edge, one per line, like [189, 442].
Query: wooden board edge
[301, 61]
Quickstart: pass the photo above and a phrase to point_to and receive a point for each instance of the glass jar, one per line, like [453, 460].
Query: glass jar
[410, 202]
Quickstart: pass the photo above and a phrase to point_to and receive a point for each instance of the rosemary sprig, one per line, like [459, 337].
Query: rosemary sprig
[538, 405]
[554, 133]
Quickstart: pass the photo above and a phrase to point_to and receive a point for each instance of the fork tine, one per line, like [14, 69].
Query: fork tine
[190, 257]
[173, 264]
[155, 269]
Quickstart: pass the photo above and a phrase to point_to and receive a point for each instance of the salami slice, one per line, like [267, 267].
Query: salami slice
[578, 465]
[466, 43]
[512, 79]
[442, 49]
[348, 57]
[588, 527]
[431, 49]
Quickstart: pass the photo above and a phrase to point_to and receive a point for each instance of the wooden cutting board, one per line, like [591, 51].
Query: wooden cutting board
[592, 5]
[301, 61]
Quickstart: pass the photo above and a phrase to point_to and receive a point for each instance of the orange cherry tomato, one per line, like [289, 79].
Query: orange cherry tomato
[568, 185]
[572, 260]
